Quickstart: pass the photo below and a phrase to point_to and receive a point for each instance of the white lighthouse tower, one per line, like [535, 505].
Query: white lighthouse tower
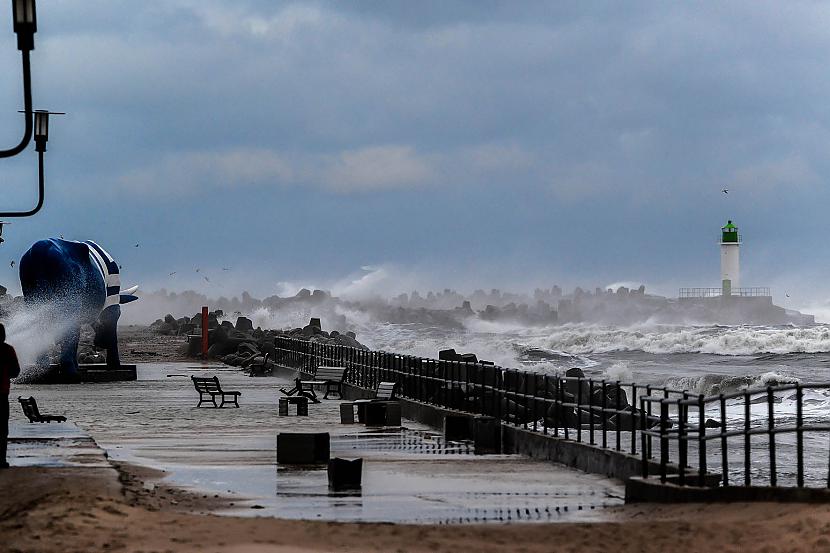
[730, 266]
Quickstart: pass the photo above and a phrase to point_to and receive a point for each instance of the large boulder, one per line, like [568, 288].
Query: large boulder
[244, 324]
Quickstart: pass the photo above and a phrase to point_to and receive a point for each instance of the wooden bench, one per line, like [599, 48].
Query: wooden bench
[33, 413]
[330, 377]
[210, 387]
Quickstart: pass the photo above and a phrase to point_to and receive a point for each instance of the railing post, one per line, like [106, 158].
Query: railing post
[799, 434]
[557, 404]
[701, 435]
[648, 417]
[664, 439]
[604, 418]
[545, 406]
[681, 440]
[578, 409]
[723, 443]
[747, 451]
[618, 426]
[632, 403]
[591, 410]
[643, 448]
[773, 473]
[535, 406]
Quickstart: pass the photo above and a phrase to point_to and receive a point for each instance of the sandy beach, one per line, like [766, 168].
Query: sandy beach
[49, 510]
[117, 505]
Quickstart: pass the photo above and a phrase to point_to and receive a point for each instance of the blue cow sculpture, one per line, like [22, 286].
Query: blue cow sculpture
[78, 282]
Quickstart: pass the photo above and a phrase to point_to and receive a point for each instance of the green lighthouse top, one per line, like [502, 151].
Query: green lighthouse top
[730, 233]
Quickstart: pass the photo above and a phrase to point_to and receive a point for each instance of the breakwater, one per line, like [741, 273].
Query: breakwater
[647, 435]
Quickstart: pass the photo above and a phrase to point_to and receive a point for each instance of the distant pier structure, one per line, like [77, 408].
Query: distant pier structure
[730, 303]
[730, 270]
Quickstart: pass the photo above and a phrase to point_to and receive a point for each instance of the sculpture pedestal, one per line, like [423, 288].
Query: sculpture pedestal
[87, 372]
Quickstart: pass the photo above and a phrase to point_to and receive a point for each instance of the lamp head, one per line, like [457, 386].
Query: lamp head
[25, 23]
[41, 130]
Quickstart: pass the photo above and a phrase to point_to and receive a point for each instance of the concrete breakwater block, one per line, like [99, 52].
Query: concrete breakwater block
[487, 435]
[345, 474]
[382, 413]
[303, 448]
[485, 432]
[87, 373]
[458, 427]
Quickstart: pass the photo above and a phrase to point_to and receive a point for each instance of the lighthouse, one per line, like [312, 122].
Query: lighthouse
[730, 267]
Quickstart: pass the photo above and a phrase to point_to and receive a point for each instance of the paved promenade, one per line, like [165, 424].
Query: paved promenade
[410, 474]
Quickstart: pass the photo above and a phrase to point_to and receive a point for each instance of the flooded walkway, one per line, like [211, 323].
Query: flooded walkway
[410, 474]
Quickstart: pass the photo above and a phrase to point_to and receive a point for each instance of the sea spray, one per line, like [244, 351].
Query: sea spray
[34, 329]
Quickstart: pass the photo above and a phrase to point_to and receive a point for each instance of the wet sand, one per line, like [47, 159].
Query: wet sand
[63, 510]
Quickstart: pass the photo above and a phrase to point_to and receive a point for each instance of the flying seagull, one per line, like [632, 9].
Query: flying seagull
[207, 279]
[136, 245]
[173, 273]
[226, 268]
[12, 263]
[725, 191]
[197, 270]
[787, 295]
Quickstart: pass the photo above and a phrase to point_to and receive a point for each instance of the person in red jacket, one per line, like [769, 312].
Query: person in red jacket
[9, 368]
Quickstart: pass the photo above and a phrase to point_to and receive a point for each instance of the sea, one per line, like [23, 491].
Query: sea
[706, 359]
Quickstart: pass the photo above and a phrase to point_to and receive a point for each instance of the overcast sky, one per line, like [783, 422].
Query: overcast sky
[456, 144]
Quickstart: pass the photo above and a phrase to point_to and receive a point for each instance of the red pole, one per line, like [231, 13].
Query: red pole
[204, 332]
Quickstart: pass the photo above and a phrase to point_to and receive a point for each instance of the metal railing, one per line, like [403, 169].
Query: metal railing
[752, 292]
[758, 426]
[600, 413]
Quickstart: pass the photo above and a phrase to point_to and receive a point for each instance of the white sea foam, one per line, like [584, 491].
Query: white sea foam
[717, 340]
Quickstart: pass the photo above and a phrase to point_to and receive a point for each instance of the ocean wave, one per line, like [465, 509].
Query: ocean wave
[714, 384]
[715, 340]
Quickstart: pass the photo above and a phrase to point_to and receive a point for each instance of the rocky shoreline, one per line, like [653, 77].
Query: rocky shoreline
[241, 345]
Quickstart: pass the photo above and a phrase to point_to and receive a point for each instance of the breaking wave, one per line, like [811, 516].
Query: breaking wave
[713, 384]
[715, 340]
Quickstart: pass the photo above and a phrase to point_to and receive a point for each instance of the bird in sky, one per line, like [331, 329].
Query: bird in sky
[12, 263]
[173, 273]
[197, 270]
[61, 236]
[787, 295]
[226, 268]
[207, 279]
[136, 245]
[725, 191]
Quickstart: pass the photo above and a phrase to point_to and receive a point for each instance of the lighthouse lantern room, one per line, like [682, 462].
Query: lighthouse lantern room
[730, 267]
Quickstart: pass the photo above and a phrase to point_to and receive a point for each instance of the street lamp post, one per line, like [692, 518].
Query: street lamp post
[41, 132]
[25, 26]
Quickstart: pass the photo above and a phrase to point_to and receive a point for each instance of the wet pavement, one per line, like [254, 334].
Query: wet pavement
[410, 474]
